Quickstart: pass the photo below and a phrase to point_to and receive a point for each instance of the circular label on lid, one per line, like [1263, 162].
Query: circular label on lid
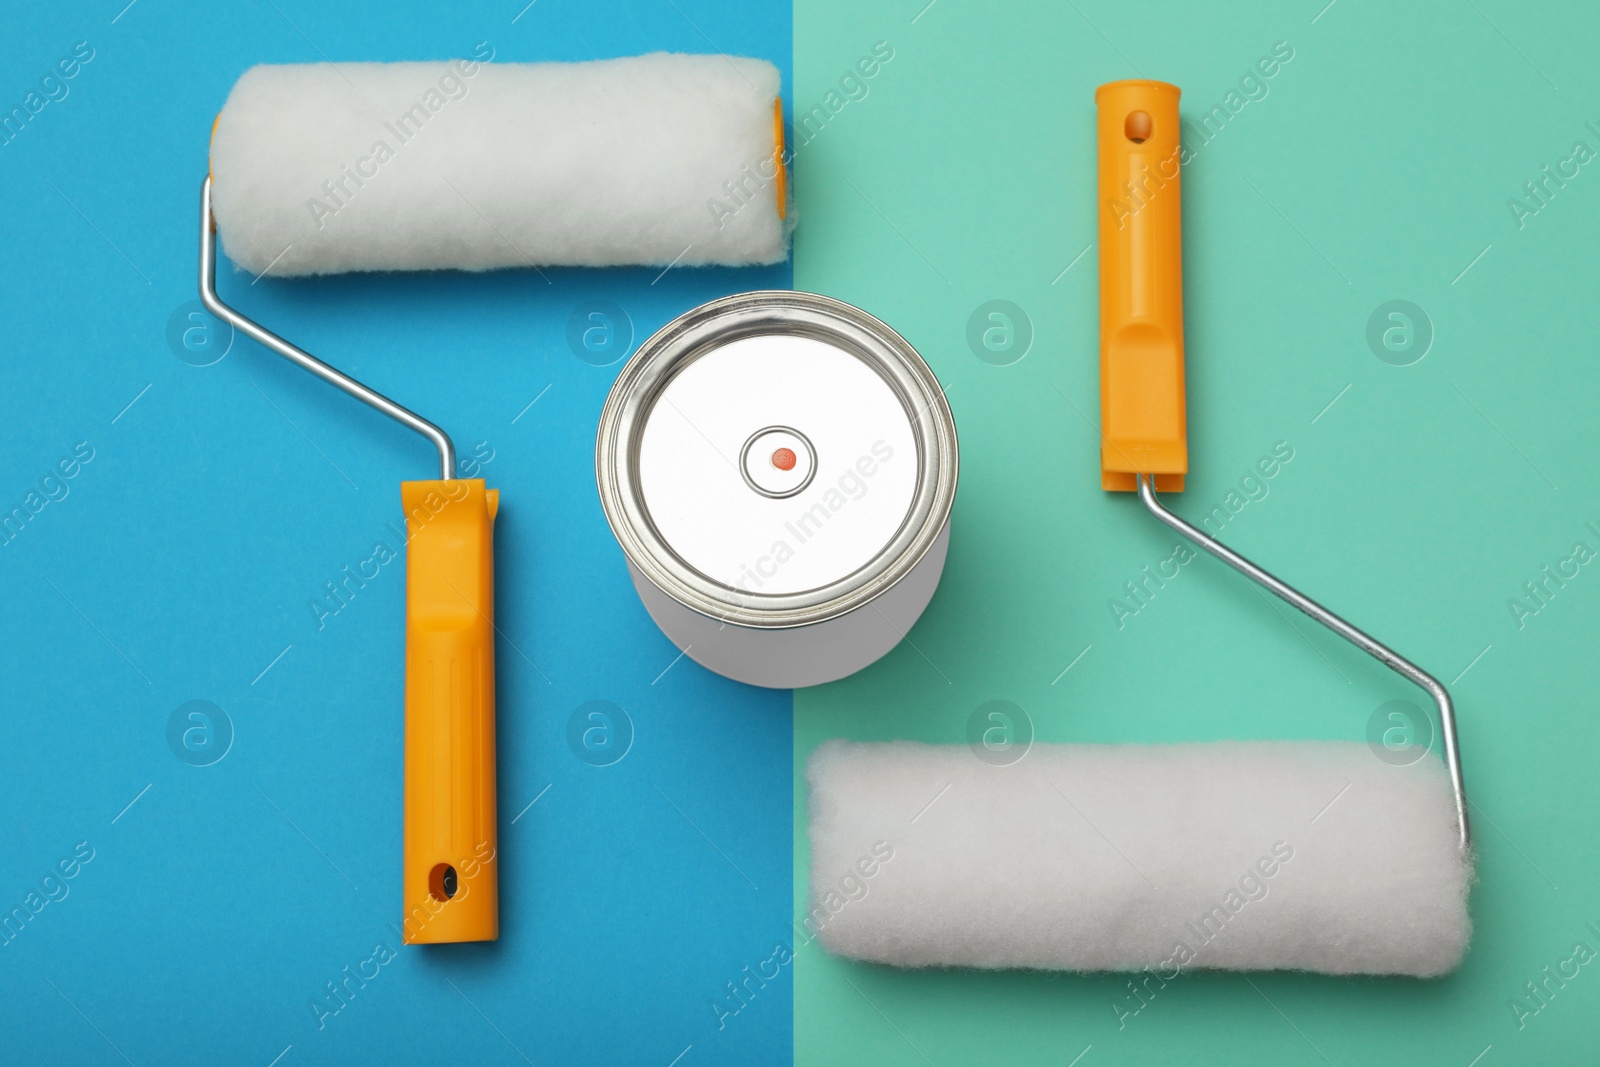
[777, 463]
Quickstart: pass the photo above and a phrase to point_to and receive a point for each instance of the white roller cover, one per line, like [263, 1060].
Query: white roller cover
[1313, 856]
[321, 168]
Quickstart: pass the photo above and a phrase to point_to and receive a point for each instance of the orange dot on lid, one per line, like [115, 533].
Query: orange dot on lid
[784, 459]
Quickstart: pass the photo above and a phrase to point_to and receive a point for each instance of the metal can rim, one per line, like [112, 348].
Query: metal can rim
[701, 329]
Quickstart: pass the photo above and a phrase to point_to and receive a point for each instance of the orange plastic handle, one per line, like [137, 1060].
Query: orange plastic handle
[1142, 418]
[782, 175]
[450, 889]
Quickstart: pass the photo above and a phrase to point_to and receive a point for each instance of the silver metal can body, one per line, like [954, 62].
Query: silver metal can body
[779, 469]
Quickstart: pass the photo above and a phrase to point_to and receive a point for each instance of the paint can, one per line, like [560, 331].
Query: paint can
[779, 469]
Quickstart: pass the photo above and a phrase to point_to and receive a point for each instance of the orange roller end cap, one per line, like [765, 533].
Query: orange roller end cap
[1142, 413]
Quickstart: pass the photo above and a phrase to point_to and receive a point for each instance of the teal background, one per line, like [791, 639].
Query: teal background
[1377, 168]
[221, 899]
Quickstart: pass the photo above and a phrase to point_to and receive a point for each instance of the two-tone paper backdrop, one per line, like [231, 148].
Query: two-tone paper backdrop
[237, 871]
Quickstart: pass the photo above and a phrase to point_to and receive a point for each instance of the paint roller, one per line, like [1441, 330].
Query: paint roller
[1235, 855]
[656, 160]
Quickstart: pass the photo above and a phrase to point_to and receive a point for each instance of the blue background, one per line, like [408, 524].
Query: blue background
[184, 556]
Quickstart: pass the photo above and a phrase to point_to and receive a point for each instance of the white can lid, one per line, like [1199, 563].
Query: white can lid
[776, 458]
